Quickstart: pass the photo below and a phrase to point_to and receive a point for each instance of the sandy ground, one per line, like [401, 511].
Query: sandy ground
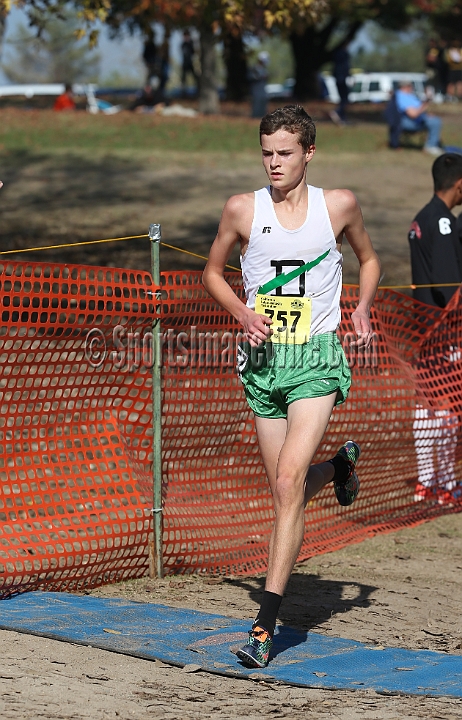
[398, 590]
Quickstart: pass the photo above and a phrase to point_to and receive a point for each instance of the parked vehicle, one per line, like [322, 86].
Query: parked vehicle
[377, 87]
[280, 90]
[364, 87]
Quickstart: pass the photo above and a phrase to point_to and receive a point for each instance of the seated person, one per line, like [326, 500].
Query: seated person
[150, 99]
[65, 101]
[414, 117]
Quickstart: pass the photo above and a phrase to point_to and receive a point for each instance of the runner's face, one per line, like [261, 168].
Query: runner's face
[284, 159]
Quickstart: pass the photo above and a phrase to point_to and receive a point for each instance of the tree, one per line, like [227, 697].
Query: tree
[447, 21]
[213, 18]
[315, 27]
[204, 15]
[56, 55]
[315, 43]
[394, 51]
[236, 63]
[40, 12]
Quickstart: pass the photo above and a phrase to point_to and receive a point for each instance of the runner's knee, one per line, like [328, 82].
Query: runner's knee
[289, 489]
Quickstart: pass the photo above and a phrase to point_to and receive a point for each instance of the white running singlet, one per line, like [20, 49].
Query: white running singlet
[273, 250]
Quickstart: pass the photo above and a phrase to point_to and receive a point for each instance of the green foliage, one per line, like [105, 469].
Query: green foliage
[116, 79]
[393, 51]
[55, 55]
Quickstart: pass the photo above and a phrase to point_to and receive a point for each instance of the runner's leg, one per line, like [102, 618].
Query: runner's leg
[271, 435]
[287, 448]
[307, 421]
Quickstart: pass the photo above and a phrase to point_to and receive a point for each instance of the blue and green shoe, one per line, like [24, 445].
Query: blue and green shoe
[256, 652]
[347, 490]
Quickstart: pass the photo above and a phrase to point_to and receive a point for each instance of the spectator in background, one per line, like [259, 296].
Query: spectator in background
[65, 101]
[164, 64]
[453, 56]
[150, 56]
[341, 73]
[323, 90]
[414, 117]
[258, 78]
[150, 99]
[187, 64]
[443, 68]
[436, 257]
[436, 68]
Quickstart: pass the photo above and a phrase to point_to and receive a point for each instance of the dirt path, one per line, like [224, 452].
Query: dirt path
[397, 590]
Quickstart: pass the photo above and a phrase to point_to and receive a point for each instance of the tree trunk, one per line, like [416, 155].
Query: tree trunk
[3, 17]
[237, 86]
[310, 54]
[208, 93]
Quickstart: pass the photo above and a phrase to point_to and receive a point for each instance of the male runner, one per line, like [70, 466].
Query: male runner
[290, 238]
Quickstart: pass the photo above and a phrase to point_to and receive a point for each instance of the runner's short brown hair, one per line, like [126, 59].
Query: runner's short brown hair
[293, 119]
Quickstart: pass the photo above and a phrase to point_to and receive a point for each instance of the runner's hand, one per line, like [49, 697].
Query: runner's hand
[256, 327]
[363, 330]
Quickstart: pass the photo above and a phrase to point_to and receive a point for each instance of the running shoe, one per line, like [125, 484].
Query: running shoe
[256, 652]
[424, 492]
[347, 490]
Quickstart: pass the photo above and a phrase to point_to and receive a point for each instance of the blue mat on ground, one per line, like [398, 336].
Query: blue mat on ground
[185, 637]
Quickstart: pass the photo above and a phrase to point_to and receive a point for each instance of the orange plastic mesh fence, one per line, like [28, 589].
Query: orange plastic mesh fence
[76, 428]
[73, 438]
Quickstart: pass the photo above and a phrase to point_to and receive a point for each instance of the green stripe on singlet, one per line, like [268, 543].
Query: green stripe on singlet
[284, 278]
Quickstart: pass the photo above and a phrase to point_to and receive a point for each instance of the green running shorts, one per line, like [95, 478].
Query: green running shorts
[274, 376]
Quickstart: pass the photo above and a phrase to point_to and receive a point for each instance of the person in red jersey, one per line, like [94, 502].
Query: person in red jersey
[65, 101]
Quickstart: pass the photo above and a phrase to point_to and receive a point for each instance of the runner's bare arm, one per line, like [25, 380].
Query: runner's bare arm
[235, 226]
[347, 218]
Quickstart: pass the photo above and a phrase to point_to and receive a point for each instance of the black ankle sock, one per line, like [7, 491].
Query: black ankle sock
[341, 468]
[269, 608]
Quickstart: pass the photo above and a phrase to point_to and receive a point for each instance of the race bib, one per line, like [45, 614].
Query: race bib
[291, 317]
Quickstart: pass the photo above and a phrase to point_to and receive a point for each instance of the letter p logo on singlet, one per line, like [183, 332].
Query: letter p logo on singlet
[444, 225]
